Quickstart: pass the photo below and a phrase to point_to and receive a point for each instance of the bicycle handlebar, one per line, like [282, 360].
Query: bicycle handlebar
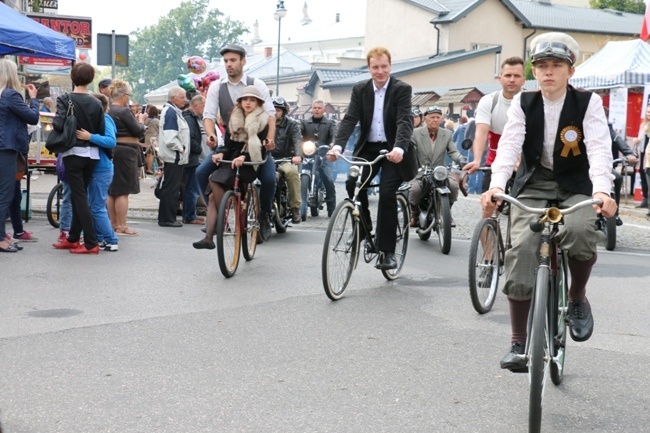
[552, 213]
[245, 162]
[360, 161]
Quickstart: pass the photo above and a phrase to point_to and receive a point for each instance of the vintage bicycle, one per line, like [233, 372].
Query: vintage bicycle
[237, 224]
[343, 246]
[486, 257]
[545, 349]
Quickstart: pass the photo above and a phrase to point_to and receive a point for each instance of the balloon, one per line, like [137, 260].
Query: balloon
[186, 82]
[209, 78]
[197, 83]
[196, 65]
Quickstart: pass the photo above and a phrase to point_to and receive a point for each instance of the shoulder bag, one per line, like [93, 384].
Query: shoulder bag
[59, 142]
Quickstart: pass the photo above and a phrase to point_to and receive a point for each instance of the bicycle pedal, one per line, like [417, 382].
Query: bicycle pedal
[519, 370]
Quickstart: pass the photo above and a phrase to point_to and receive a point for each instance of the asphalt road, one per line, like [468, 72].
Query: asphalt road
[153, 339]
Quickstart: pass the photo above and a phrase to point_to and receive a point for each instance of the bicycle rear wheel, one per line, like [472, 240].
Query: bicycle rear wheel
[538, 350]
[401, 238]
[340, 250]
[250, 231]
[53, 205]
[484, 265]
[561, 305]
[228, 234]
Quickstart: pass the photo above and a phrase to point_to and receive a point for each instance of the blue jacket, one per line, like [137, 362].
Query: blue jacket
[14, 117]
[106, 141]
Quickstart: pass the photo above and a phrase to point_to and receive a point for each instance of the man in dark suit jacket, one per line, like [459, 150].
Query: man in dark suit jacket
[382, 106]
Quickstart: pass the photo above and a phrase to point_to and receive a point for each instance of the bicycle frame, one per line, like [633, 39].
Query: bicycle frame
[544, 350]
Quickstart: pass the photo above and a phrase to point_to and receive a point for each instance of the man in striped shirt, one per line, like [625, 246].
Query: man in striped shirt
[562, 137]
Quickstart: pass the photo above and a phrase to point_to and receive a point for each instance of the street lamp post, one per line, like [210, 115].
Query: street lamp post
[280, 13]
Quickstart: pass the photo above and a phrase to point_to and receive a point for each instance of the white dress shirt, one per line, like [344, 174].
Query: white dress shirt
[597, 142]
[377, 132]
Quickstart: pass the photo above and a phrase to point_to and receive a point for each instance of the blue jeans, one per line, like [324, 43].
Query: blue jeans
[97, 196]
[65, 216]
[266, 175]
[190, 193]
[7, 184]
[203, 172]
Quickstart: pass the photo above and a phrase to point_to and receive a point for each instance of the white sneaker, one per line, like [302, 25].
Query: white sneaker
[107, 246]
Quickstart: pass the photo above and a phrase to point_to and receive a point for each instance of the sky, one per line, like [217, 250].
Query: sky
[125, 16]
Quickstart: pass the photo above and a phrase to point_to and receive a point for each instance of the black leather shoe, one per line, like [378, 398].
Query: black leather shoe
[265, 227]
[515, 359]
[619, 221]
[581, 322]
[170, 224]
[387, 261]
[369, 246]
[204, 244]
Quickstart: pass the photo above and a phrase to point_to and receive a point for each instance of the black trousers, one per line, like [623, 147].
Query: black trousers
[169, 192]
[79, 171]
[387, 209]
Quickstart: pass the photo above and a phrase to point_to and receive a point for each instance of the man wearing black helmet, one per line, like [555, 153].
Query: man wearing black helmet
[287, 145]
[562, 137]
[417, 117]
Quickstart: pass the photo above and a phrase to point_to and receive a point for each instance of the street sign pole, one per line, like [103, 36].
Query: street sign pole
[112, 54]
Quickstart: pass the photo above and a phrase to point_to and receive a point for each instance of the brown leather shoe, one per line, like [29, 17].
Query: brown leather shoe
[295, 215]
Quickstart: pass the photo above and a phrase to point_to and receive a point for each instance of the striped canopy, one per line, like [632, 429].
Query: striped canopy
[617, 64]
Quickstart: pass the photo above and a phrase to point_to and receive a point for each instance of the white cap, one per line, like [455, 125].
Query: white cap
[554, 45]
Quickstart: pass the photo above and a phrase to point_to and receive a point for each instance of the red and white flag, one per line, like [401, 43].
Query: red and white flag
[645, 26]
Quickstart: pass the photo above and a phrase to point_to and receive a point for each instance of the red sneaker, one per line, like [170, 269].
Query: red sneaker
[62, 236]
[66, 245]
[81, 249]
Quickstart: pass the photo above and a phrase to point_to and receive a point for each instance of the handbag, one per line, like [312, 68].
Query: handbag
[59, 142]
[21, 166]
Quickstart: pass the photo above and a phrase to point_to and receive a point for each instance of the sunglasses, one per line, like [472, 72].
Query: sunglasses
[434, 109]
[556, 50]
[279, 100]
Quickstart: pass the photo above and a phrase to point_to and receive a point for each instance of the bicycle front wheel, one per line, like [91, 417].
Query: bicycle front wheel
[610, 234]
[538, 350]
[561, 305]
[444, 223]
[340, 250]
[53, 205]
[401, 238]
[250, 230]
[228, 234]
[484, 265]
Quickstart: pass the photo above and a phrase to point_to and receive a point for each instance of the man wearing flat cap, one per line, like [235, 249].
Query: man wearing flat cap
[222, 97]
[562, 137]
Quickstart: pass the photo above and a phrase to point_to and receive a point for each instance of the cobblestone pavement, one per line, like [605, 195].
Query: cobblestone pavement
[633, 235]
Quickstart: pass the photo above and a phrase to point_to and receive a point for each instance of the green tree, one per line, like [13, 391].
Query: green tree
[155, 52]
[633, 6]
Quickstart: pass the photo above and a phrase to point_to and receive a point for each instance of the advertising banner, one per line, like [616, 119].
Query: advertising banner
[618, 109]
[77, 28]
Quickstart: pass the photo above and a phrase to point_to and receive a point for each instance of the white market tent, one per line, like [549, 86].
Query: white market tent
[617, 64]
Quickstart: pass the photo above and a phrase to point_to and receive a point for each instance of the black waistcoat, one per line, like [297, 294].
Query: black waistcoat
[225, 101]
[570, 163]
